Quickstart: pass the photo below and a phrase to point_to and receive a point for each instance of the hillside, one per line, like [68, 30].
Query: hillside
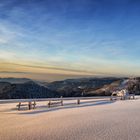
[24, 90]
[27, 88]
[15, 80]
[81, 87]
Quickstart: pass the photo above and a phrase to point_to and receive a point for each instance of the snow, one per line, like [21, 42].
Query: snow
[91, 120]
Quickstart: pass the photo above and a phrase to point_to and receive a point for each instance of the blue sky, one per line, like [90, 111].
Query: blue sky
[70, 37]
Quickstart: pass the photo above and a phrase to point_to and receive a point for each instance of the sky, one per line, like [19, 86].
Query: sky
[60, 39]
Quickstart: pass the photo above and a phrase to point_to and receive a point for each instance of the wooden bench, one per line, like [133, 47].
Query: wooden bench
[30, 105]
[51, 102]
[55, 102]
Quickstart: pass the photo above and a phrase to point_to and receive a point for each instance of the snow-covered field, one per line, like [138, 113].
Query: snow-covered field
[91, 120]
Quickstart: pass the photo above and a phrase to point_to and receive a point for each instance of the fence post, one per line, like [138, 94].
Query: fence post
[78, 101]
[30, 105]
[34, 104]
[61, 100]
[49, 104]
[19, 105]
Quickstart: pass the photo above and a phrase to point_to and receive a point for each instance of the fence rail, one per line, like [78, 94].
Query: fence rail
[51, 99]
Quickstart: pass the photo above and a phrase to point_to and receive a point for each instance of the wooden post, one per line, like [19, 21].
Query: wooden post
[34, 104]
[49, 104]
[19, 105]
[61, 101]
[78, 101]
[30, 105]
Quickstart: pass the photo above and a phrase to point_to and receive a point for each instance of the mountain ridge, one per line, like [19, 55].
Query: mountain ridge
[27, 88]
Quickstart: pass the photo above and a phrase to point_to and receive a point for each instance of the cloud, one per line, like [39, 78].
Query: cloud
[81, 37]
[14, 72]
[5, 55]
[50, 68]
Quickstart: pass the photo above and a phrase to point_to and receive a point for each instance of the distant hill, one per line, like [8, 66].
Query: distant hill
[131, 84]
[14, 88]
[77, 87]
[25, 90]
[15, 80]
